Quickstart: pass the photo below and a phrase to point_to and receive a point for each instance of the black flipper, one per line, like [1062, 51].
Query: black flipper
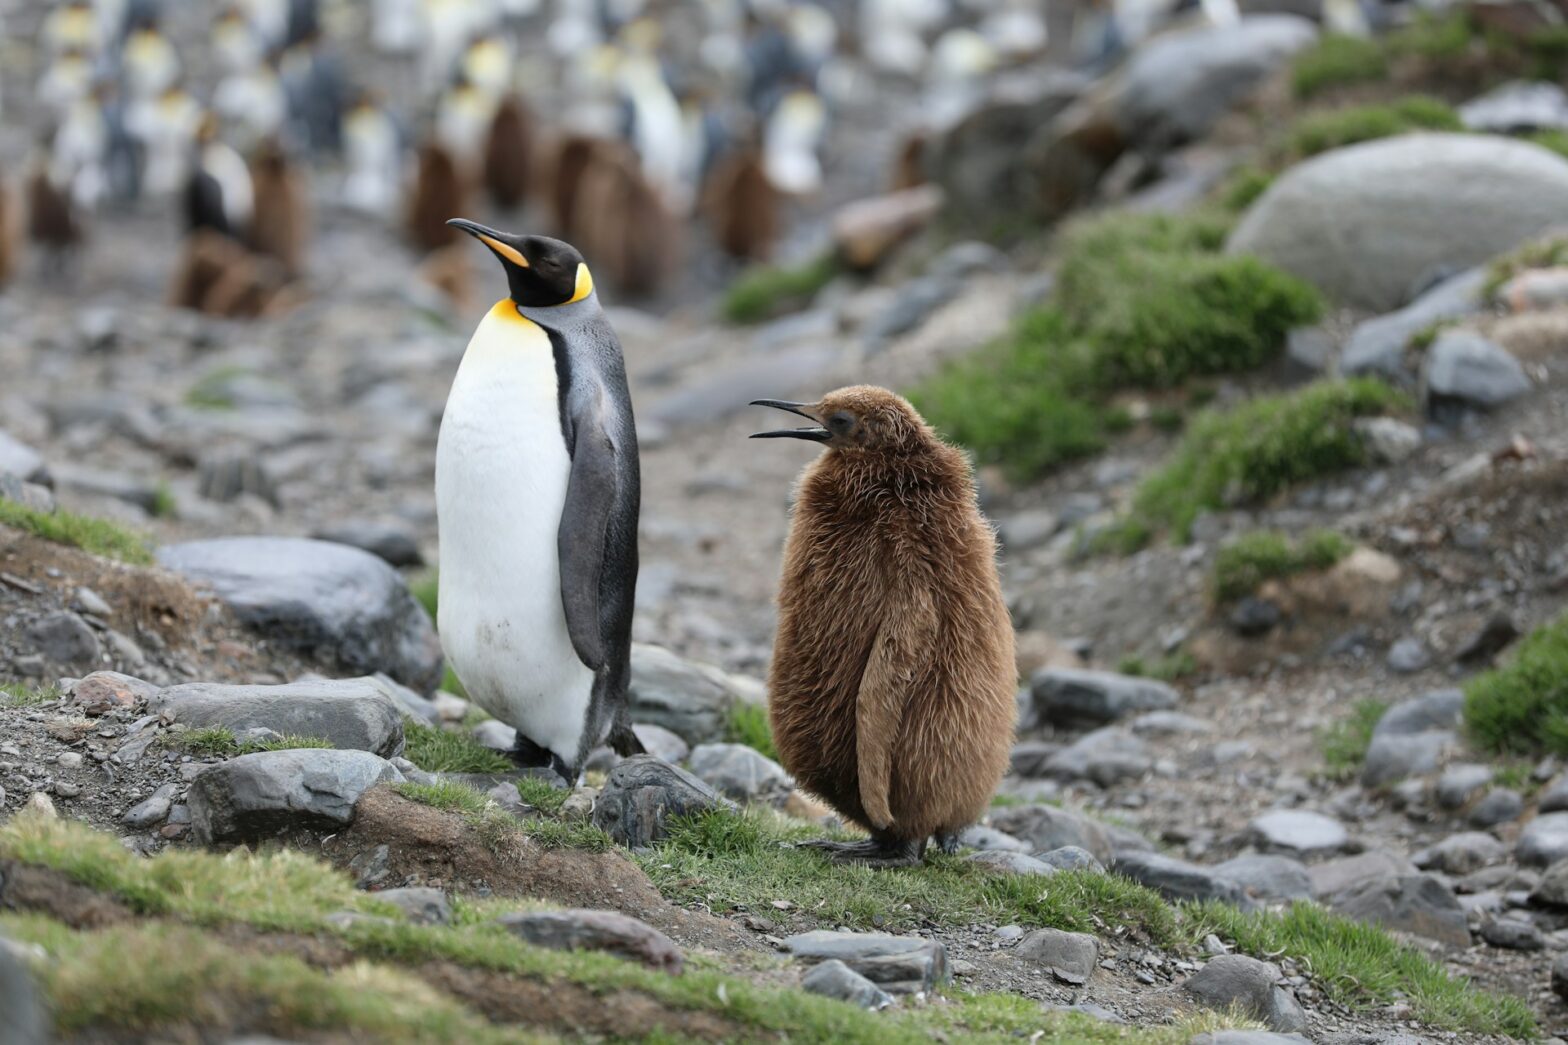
[624, 742]
[590, 496]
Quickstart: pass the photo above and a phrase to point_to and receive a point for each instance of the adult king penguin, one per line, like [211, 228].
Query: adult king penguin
[537, 495]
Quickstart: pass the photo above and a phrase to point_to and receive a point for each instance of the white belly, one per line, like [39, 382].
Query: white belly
[501, 472]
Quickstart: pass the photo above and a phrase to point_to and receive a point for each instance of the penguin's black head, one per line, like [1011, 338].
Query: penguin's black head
[540, 271]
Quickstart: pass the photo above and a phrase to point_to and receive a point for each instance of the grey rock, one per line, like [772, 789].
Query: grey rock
[1065, 696]
[1460, 783]
[1408, 656]
[1377, 346]
[409, 702]
[1552, 890]
[1029, 757]
[1392, 757]
[1309, 348]
[1169, 723]
[1517, 107]
[740, 772]
[1298, 831]
[969, 258]
[689, 699]
[899, 964]
[112, 485]
[1026, 530]
[1237, 981]
[1553, 798]
[834, 979]
[1126, 840]
[641, 793]
[1367, 222]
[611, 931]
[29, 495]
[989, 839]
[1009, 862]
[420, 904]
[1440, 709]
[22, 461]
[661, 742]
[1462, 854]
[1419, 904]
[339, 604]
[1513, 934]
[224, 474]
[1500, 806]
[1387, 439]
[152, 810]
[354, 714]
[912, 304]
[1268, 877]
[1543, 841]
[257, 796]
[1106, 756]
[389, 542]
[1176, 85]
[1253, 616]
[1070, 957]
[1070, 858]
[1463, 366]
[25, 1019]
[1348, 872]
[64, 638]
[1248, 1037]
[1179, 880]
[1048, 827]
[1560, 976]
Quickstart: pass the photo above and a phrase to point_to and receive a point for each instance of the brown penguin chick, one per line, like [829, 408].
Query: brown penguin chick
[892, 686]
[508, 160]
[10, 241]
[51, 216]
[621, 222]
[743, 206]
[572, 159]
[280, 228]
[439, 193]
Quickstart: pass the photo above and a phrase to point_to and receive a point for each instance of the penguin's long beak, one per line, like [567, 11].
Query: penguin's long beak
[492, 239]
[815, 434]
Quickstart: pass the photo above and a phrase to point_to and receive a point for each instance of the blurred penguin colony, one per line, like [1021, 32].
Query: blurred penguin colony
[624, 126]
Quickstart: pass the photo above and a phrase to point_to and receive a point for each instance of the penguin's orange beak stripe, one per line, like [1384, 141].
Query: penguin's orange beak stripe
[511, 254]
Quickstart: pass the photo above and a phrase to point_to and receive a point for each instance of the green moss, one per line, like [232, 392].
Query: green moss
[1522, 707]
[1167, 668]
[1337, 61]
[1243, 188]
[94, 536]
[765, 291]
[542, 796]
[1345, 743]
[1242, 566]
[1554, 139]
[220, 741]
[748, 724]
[1436, 37]
[1253, 451]
[437, 750]
[1322, 131]
[27, 695]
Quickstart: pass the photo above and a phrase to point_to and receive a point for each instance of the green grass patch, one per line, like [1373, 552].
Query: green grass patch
[1166, 668]
[437, 750]
[765, 291]
[1553, 139]
[1537, 254]
[27, 694]
[748, 724]
[1522, 707]
[1322, 131]
[1144, 300]
[426, 589]
[1345, 743]
[1354, 964]
[1243, 188]
[1336, 60]
[94, 536]
[1241, 566]
[542, 796]
[1253, 451]
[220, 741]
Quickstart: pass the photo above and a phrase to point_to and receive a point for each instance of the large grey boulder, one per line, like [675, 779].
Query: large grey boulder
[1268, 877]
[1298, 831]
[338, 604]
[1418, 904]
[1049, 827]
[1462, 366]
[689, 699]
[359, 714]
[642, 793]
[1179, 880]
[1368, 223]
[1071, 696]
[1377, 346]
[23, 1018]
[1178, 84]
[257, 796]
[1252, 986]
[740, 772]
[899, 964]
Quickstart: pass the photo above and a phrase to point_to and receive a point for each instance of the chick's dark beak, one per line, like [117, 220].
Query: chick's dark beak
[815, 434]
[491, 238]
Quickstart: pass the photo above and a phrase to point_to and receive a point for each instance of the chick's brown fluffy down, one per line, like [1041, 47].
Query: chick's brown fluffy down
[893, 677]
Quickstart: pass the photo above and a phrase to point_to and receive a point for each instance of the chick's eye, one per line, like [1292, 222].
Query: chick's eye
[842, 422]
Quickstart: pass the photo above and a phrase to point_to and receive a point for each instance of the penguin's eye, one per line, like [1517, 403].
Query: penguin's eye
[842, 423]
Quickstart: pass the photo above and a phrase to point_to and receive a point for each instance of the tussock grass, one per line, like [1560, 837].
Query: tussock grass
[1522, 707]
[1336, 60]
[94, 536]
[1322, 131]
[1241, 566]
[1166, 668]
[27, 695]
[765, 291]
[542, 796]
[1345, 743]
[220, 741]
[437, 750]
[748, 724]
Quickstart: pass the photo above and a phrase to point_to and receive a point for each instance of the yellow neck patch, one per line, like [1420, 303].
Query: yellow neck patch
[584, 284]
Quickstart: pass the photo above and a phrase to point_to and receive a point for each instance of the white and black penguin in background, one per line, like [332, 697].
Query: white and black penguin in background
[537, 497]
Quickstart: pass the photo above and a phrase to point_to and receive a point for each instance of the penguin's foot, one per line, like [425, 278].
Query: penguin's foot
[528, 755]
[948, 843]
[873, 852]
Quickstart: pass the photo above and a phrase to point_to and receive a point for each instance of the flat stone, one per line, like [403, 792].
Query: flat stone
[1237, 981]
[582, 930]
[1500, 805]
[152, 810]
[1462, 854]
[1070, 858]
[1439, 709]
[1046, 827]
[1513, 934]
[420, 904]
[257, 796]
[899, 964]
[1462, 365]
[642, 793]
[834, 979]
[63, 638]
[1106, 756]
[690, 699]
[1517, 107]
[1543, 841]
[1009, 862]
[1070, 957]
[1272, 878]
[989, 839]
[1418, 904]
[1460, 783]
[1348, 872]
[1298, 831]
[1408, 656]
[1066, 696]
[1169, 723]
[338, 604]
[1391, 757]
[740, 772]
[1552, 891]
[354, 714]
[1177, 879]
[1377, 346]
[661, 742]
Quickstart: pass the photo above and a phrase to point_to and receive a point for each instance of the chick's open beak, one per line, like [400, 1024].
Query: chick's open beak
[816, 433]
